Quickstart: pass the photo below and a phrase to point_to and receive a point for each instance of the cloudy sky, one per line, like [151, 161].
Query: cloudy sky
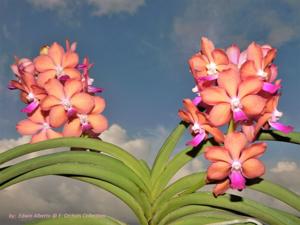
[140, 49]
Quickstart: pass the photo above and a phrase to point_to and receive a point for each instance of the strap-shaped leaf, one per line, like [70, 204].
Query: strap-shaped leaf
[109, 163]
[273, 135]
[174, 165]
[89, 170]
[166, 150]
[118, 192]
[86, 143]
[278, 192]
[187, 184]
[187, 210]
[242, 205]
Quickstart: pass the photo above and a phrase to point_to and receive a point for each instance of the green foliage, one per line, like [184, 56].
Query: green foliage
[148, 191]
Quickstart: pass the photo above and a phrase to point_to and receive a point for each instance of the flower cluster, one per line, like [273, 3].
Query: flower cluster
[59, 96]
[239, 89]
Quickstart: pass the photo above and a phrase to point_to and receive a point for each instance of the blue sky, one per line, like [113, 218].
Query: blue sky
[140, 49]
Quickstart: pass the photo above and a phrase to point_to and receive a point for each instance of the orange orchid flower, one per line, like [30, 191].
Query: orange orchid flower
[271, 116]
[85, 123]
[234, 162]
[38, 126]
[64, 101]
[31, 93]
[57, 63]
[233, 98]
[199, 125]
[206, 64]
[259, 64]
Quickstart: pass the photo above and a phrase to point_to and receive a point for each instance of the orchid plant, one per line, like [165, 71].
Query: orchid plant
[234, 110]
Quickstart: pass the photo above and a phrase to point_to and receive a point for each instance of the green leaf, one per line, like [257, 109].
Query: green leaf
[238, 204]
[184, 211]
[87, 143]
[105, 220]
[273, 135]
[179, 160]
[185, 185]
[79, 169]
[104, 161]
[278, 192]
[118, 192]
[166, 150]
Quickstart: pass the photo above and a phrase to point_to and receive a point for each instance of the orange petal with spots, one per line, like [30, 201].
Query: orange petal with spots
[72, 87]
[184, 116]
[253, 104]
[249, 86]
[218, 170]
[57, 116]
[49, 102]
[72, 73]
[28, 127]
[70, 59]
[99, 105]
[214, 95]
[253, 168]
[248, 70]
[83, 102]
[45, 76]
[215, 132]
[216, 153]
[98, 122]
[207, 46]
[43, 63]
[38, 116]
[229, 80]
[41, 136]
[53, 134]
[56, 52]
[254, 52]
[270, 57]
[221, 188]
[253, 151]
[220, 114]
[235, 142]
[55, 88]
[72, 128]
[219, 56]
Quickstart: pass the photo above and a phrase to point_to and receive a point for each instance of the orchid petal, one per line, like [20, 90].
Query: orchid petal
[281, 127]
[271, 88]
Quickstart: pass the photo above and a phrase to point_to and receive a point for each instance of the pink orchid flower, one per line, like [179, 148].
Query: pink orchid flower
[207, 64]
[199, 125]
[84, 123]
[64, 101]
[259, 64]
[233, 98]
[234, 162]
[271, 116]
[38, 126]
[57, 63]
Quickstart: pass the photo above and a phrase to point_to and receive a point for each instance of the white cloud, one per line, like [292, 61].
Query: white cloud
[100, 7]
[48, 4]
[227, 22]
[139, 147]
[107, 7]
[284, 166]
